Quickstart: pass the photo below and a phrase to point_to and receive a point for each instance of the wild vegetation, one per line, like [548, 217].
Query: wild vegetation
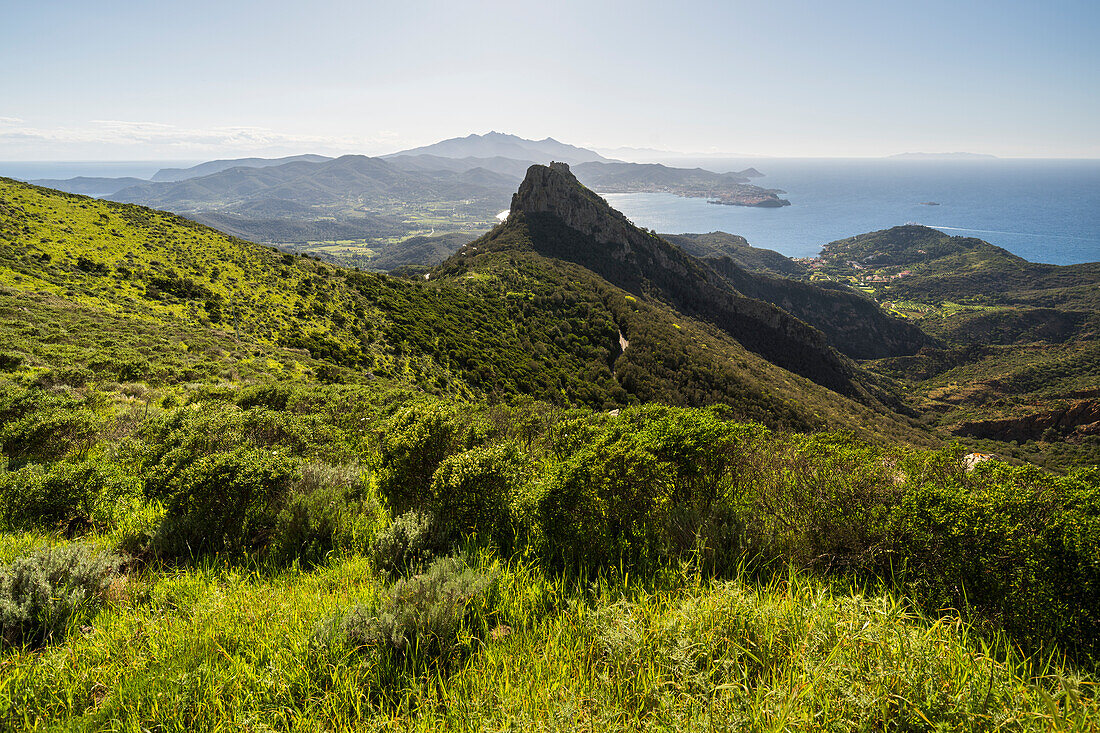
[250, 490]
[328, 557]
[1017, 340]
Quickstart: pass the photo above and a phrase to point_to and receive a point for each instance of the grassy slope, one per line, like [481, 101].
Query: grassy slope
[681, 360]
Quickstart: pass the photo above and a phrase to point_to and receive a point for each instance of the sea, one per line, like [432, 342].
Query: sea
[1042, 210]
[36, 170]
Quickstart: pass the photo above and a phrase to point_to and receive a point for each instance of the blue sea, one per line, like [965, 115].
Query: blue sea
[1042, 210]
[25, 170]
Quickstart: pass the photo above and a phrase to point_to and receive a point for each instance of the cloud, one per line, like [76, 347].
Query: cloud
[162, 138]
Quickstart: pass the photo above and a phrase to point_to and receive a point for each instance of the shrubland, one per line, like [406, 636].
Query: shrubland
[335, 556]
[242, 489]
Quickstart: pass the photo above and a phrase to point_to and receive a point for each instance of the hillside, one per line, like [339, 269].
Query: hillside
[724, 188]
[498, 164]
[349, 198]
[172, 175]
[1019, 359]
[946, 268]
[238, 485]
[90, 185]
[737, 248]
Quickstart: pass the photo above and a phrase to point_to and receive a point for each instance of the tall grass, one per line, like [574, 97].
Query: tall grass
[219, 647]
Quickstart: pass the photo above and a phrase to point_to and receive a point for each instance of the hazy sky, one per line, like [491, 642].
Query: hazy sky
[195, 79]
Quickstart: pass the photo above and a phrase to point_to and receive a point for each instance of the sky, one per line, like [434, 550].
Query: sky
[159, 80]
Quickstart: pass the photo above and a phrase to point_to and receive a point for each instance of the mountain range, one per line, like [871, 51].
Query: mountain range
[359, 210]
[502, 145]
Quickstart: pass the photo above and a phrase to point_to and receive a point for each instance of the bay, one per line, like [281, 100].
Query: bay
[1042, 210]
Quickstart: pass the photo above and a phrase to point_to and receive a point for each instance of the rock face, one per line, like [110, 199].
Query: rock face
[1080, 419]
[555, 190]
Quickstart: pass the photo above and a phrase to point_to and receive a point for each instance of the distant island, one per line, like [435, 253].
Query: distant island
[942, 156]
[751, 196]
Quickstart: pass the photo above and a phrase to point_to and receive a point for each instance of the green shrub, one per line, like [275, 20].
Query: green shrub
[66, 491]
[272, 396]
[175, 441]
[329, 510]
[66, 376]
[408, 544]
[435, 616]
[225, 501]
[629, 493]
[38, 424]
[825, 499]
[43, 593]
[415, 442]
[473, 493]
[9, 362]
[1015, 545]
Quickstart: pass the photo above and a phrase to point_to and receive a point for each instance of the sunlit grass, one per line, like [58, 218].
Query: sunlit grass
[216, 646]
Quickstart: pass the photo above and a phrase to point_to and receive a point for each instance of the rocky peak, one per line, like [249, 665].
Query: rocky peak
[553, 189]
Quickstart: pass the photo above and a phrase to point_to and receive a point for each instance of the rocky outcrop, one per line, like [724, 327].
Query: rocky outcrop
[555, 190]
[1081, 418]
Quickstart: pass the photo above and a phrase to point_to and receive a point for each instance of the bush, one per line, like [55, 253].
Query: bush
[272, 396]
[225, 501]
[72, 376]
[42, 594]
[174, 442]
[473, 493]
[435, 616]
[37, 424]
[10, 361]
[408, 544]
[639, 489]
[825, 499]
[67, 491]
[327, 511]
[1014, 544]
[415, 442]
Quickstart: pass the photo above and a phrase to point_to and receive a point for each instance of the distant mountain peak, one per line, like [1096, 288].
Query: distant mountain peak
[505, 145]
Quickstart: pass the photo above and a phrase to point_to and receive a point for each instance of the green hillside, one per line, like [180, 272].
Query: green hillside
[720, 244]
[1017, 360]
[251, 490]
[963, 269]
